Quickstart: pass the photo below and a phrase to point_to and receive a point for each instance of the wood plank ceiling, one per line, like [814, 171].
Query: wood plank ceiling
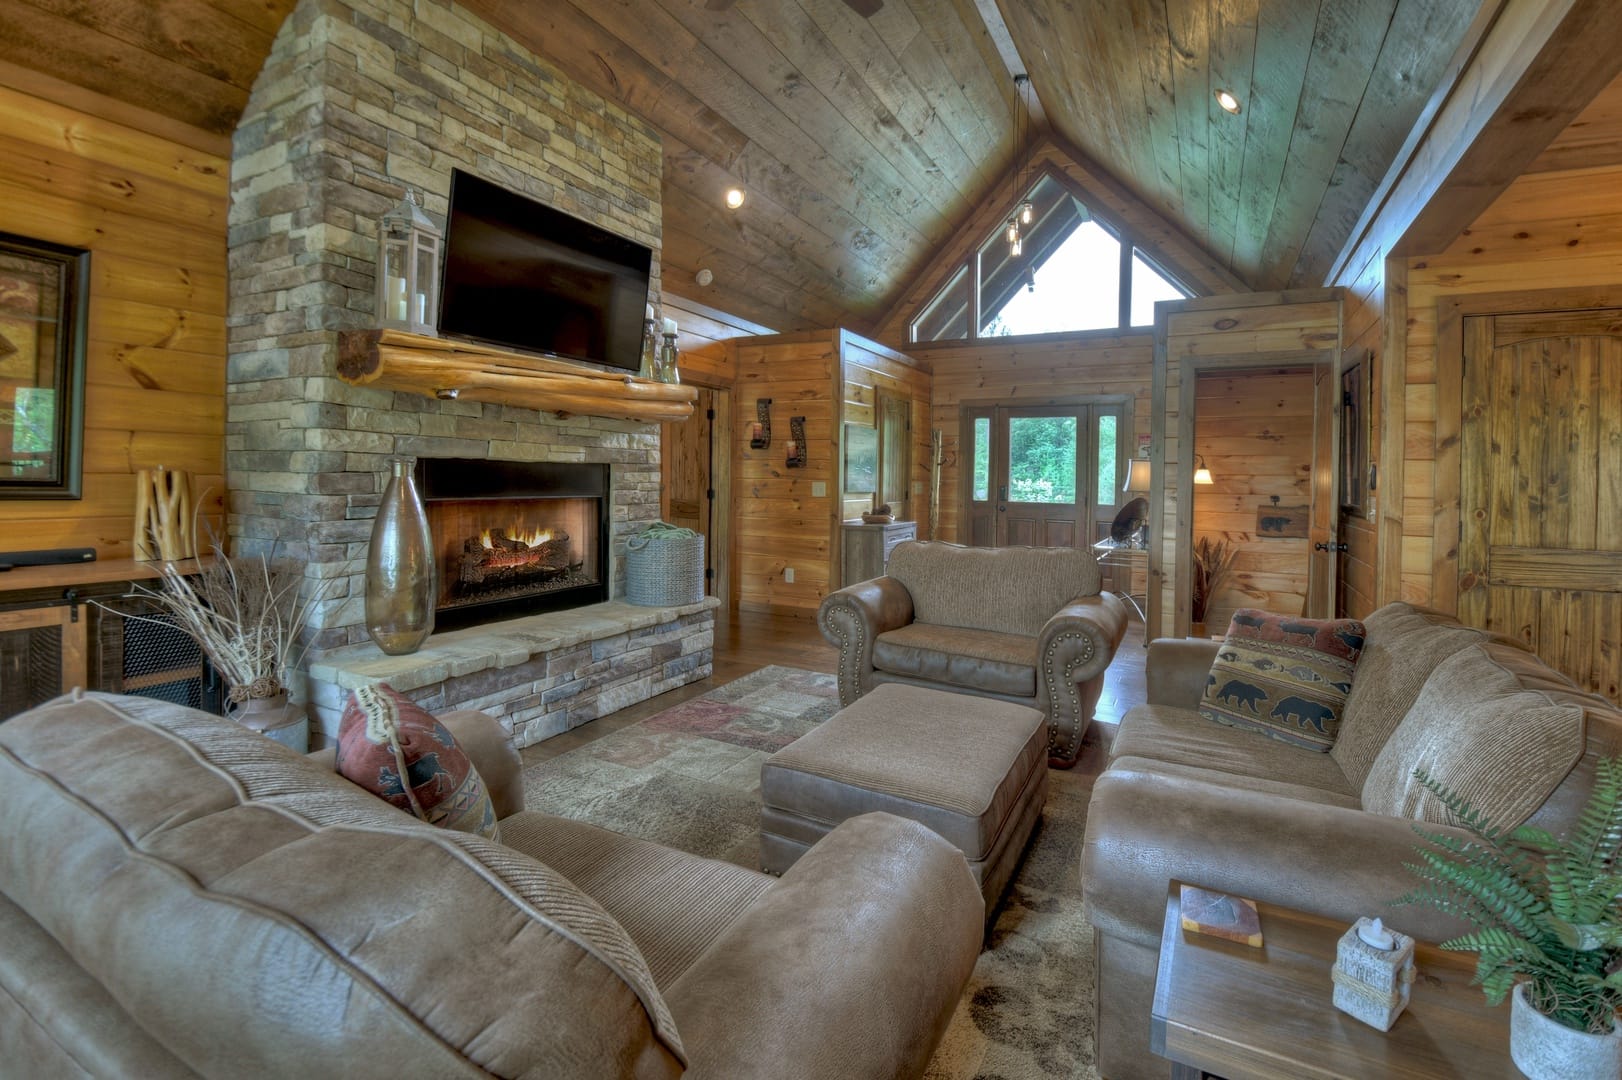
[1328, 92]
[863, 143]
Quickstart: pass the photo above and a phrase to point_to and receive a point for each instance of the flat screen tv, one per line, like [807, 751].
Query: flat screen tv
[520, 274]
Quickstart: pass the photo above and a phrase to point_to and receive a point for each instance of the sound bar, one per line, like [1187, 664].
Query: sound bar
[46, 557]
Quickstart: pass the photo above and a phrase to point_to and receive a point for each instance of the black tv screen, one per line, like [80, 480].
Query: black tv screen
[521, 274]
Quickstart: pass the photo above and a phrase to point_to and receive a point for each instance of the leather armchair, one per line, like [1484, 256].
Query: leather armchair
[1027, 625]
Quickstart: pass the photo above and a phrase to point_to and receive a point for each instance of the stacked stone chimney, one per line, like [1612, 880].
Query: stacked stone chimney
[358, 100]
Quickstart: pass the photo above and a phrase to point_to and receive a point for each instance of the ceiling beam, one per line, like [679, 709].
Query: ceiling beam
[1526, 76]
[997, 28]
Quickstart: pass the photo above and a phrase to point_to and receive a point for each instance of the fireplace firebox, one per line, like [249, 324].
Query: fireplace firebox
[515, 538]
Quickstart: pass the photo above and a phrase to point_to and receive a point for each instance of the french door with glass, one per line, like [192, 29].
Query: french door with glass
[1041, 475]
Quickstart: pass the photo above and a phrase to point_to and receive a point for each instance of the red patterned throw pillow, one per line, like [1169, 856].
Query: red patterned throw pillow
[384, 735]
[1283, 676]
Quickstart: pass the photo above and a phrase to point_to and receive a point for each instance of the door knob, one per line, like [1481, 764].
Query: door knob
[1330, 546]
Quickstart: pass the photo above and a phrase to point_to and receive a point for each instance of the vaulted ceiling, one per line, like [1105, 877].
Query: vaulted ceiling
[864, 142]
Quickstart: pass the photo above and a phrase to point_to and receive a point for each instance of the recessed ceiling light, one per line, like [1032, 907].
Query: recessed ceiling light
[1228, 102]
[734, 198]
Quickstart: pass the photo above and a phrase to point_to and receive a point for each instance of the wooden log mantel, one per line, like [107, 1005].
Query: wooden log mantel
[465, 371]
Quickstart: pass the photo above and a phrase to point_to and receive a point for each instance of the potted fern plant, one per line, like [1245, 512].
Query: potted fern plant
[1548, 918]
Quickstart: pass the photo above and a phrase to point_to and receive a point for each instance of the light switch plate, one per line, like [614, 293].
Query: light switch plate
[788, 575]
[819, 489]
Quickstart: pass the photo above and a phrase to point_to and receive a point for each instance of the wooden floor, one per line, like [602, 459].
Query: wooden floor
[749, 642]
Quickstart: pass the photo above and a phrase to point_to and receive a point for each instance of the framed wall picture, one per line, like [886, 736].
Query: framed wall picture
[861, 459]
[1354, 431]
[44, 296]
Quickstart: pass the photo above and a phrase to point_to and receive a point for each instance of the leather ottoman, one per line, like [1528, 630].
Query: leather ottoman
[972, 769]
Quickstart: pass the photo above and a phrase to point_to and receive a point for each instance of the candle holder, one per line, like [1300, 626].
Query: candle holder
[760, 432]
[667, 358]
[649, 368]
[795, 456]
[1373, 973]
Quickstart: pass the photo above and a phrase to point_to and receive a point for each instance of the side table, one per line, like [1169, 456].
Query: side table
[1135, 561]
[1264, 1013]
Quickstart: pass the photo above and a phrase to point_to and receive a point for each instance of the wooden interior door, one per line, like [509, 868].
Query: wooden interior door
[1540, 540]
[894, 414]
[1042, 475]
[694, 480]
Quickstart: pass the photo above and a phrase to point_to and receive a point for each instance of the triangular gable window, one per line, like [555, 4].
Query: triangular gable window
[1074, 272]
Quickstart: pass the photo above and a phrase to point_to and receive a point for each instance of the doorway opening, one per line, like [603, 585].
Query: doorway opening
[695, 490]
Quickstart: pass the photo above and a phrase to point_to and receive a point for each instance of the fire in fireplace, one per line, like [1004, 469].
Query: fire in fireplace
[515, 538]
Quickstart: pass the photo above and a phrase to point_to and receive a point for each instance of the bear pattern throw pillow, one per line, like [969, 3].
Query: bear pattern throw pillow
[385, 736]
[1283, 676]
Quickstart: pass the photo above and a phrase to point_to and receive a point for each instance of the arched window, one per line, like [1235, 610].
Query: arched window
[1074, 272]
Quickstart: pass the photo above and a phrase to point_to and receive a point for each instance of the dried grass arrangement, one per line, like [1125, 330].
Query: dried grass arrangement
[245, 613]
[1213, 565]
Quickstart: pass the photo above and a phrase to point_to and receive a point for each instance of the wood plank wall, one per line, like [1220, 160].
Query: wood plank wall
[867, 367]
[153, 214]
[1031, 371]
[1254, 429]
[778, 524]
[1239, 331]
[700, 331]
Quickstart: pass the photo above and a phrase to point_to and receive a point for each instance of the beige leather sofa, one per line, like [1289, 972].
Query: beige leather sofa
[180, 897]
[1186, 799]
[1026, 625]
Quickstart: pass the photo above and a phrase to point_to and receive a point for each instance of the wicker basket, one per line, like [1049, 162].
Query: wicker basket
[664, 572]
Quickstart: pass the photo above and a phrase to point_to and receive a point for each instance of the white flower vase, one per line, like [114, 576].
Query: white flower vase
[1545, 1049]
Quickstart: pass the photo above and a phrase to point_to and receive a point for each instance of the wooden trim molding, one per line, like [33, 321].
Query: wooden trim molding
[458, 370]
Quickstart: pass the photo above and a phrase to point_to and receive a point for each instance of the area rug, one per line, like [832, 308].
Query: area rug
[689, 777]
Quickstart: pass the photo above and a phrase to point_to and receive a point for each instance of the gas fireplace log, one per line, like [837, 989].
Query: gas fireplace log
[390, 359]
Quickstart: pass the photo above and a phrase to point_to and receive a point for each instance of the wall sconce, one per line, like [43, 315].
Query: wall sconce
[408, 269]
[795, 456]
[1202, 475]
[760, 432]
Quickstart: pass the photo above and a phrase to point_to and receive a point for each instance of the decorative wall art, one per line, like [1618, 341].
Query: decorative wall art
[44, 292]
[861, 459]
[1287, 521]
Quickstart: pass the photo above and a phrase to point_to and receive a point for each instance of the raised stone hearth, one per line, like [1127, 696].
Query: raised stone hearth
[539, 675]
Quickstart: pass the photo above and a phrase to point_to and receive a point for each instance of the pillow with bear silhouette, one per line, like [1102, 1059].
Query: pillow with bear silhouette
[1283, 676]
[394, 748]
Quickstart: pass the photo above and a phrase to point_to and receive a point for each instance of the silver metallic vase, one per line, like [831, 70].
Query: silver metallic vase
[400, 567]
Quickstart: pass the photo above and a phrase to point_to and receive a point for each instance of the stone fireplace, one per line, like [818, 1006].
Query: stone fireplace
[514, 538]
[358, 100]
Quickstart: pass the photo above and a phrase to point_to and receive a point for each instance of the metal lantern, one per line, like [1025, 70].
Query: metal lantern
[408, 268]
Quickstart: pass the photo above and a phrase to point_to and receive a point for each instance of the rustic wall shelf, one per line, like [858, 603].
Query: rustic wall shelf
[464, 371]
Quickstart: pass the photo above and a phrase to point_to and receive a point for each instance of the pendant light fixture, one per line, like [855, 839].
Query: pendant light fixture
[1024, 213]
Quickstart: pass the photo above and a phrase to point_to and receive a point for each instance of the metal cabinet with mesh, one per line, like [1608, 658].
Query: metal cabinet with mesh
[95, 636]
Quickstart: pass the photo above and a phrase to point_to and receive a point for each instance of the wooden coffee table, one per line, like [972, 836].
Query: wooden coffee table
[1241, 1012]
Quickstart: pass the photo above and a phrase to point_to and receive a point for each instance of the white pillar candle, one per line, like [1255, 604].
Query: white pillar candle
[397, 299]
[670, 326]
